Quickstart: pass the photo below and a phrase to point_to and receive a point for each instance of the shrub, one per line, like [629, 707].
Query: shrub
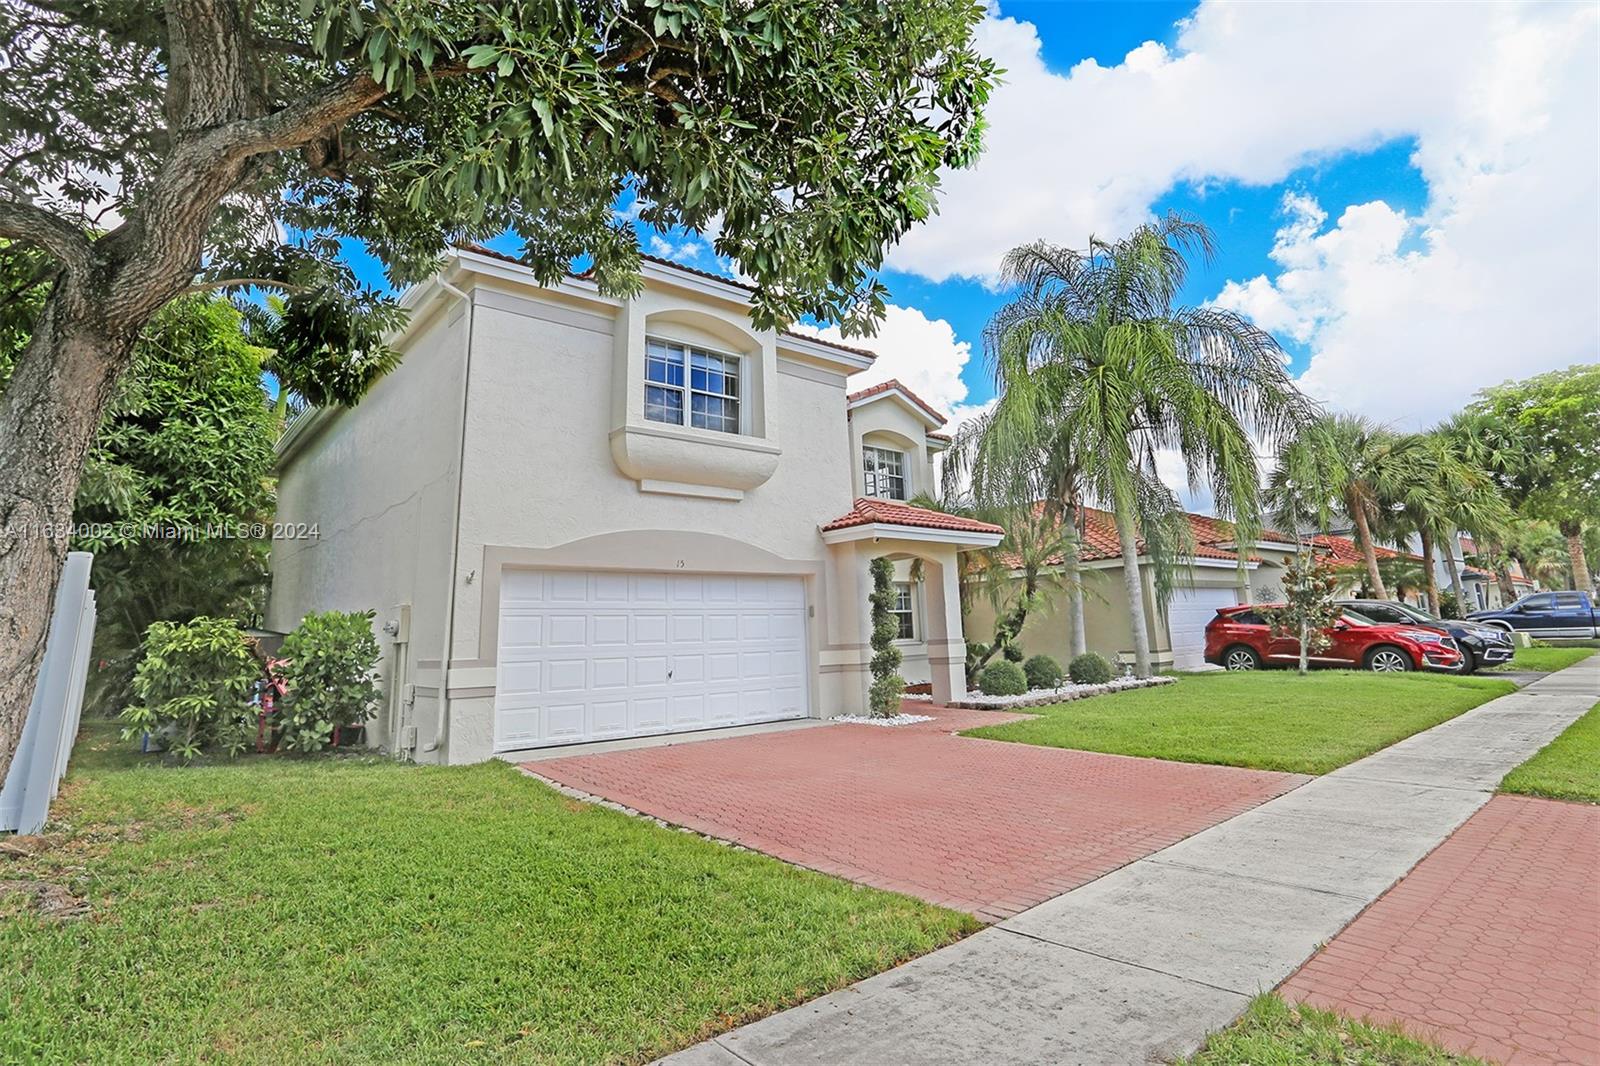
[330, 677]
[1449, 606]
[1002, 678]
[1090, 668]
[1012, 653]
[1043, 672]
[192, 687]
[883, 698]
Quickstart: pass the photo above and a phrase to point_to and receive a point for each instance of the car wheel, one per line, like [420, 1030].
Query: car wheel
[1240, 657]
[1387, 659]
[1469, 661]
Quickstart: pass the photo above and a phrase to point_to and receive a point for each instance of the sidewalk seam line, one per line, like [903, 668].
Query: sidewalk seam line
[1124, 962]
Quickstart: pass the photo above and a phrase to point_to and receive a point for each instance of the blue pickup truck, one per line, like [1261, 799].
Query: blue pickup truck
[1546, 614]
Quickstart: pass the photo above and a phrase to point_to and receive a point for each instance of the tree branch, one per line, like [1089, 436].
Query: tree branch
[29, 222]
[234, 283]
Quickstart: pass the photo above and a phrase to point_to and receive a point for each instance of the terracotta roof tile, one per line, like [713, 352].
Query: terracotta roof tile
[1100, 540]
[893, 384]
[1344, 550]
[868, 510]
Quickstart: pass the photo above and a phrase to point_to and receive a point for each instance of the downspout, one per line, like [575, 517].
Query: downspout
[441, 737]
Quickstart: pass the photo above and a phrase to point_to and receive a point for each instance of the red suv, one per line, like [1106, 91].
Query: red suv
[1239, 638]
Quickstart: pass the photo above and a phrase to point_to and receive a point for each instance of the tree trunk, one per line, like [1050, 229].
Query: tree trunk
[1135, 585]
[48, 418]
[1432, 585]
[1069, 563]
[1358, 514]
[1581, 580]
[1454, 570]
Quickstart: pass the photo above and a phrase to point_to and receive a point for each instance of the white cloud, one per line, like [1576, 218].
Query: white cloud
[1406, 315]
[923, 353]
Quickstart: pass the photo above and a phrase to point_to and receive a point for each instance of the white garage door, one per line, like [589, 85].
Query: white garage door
[1187, 616]
[609, 654]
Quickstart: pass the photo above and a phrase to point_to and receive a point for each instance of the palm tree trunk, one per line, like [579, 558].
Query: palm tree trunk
[1581, 580]
[1358, 514]
[1069, 563]
[1135, 585]
[1432, 584]
[1456, 587]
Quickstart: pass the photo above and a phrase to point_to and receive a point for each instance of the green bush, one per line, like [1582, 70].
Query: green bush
[1043, 672]
[331, 678]
[1002, 678]
[1012, 653]
[192, 688]
[1090, 668]
[883, 698]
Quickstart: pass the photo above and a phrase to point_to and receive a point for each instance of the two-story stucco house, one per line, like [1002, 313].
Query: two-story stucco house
[581, 518]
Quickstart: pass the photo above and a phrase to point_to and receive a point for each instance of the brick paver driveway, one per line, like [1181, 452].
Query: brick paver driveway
[1491, 946]
[983, 826]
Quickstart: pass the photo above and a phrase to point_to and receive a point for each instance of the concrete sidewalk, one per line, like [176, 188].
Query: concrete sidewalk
[1141, 964]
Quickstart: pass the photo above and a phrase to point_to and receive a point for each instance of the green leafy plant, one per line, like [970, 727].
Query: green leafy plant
[331, 678]
[1043, 672]
[1308, 610]
[1090, 668]
[1449, 606]
[1002, 678]
[887, 684]
[192, 688]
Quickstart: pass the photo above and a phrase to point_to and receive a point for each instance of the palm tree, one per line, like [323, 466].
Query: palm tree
[1376, 464]
[1093, 358]
[1305, 489]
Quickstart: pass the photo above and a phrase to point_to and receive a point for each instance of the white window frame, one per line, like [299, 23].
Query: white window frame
[872, 477]
[909, 613]
[733, 366]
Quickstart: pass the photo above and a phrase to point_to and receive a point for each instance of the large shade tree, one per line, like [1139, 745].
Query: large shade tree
[153, 147]
[1541, 439]
[1097, 359]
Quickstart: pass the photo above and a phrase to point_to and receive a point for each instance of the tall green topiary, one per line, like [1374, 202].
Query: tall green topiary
[887, 684]
[330, 675]
[192, 688]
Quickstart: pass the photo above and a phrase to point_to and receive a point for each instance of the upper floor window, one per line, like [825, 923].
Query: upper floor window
[885, 473]
[904, 611]
[679, 378]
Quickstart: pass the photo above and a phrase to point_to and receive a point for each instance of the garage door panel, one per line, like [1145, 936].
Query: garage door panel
[1187, 616]
[609, 654]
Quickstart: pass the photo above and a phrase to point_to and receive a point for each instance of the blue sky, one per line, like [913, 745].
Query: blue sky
[1405, 194]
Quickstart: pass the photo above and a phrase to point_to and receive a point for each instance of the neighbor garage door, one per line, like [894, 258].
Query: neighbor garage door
[1191, 609]
[607, 654]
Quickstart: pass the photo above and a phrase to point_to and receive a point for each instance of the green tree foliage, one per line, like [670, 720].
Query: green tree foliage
[178, 473]
[330, 670]
[1308, 590]
[151, 147]
[1002, 678]
[887, 685]
[1540, 438]
[192, 688]
[1098, 362]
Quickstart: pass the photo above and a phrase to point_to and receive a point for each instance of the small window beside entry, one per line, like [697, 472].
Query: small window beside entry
[904, 611]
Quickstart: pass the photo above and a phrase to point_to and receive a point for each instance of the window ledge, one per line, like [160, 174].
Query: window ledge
[659, 454]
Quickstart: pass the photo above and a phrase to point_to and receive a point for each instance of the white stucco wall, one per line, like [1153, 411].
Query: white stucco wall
[379, 481]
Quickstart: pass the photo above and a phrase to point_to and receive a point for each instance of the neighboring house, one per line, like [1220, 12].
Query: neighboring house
[585, 518]
[1345, 554]
[1177, 632]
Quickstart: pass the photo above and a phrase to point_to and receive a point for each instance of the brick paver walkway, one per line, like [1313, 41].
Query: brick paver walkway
[1491, 946]
[982, 826]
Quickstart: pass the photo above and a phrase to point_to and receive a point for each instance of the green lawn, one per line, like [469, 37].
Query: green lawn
[1268, 720]
[1545, 659]
[1568, 768]
[1272, 1033]
[355, 910]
